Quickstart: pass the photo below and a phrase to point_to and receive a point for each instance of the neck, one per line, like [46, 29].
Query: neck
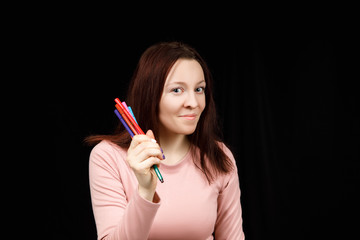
[175, 146]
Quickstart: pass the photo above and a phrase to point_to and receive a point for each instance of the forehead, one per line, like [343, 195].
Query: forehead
[186, 71]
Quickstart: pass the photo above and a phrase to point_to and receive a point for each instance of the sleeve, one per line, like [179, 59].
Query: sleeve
[115, 216]
[229, 220]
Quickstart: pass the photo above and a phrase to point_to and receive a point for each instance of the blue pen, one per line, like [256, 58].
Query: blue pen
[130, 110]
[123, 122]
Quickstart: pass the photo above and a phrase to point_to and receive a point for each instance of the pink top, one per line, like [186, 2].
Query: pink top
[189, 207]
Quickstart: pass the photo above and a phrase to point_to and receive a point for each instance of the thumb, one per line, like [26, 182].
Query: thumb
[150, 134]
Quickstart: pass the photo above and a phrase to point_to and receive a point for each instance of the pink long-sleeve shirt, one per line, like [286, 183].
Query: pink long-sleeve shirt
[189, 207]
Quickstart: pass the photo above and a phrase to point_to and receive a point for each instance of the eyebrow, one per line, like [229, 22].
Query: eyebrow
[179, 82]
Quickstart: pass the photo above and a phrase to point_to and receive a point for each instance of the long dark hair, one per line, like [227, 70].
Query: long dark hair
[144, 93]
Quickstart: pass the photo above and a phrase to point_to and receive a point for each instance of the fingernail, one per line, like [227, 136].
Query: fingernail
[153, 140]
[163, 156]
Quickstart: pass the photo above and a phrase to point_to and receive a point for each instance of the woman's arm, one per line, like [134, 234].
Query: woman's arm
[116, 216]
[229, 219]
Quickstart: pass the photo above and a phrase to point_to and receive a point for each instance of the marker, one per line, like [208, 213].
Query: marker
[132, 113]
[133, 129]
[126, 119]
[124, 123]
[128, 115]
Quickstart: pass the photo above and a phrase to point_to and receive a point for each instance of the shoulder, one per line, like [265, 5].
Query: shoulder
[225, 179]
[227, 152]
[106, 146]
[106, 151]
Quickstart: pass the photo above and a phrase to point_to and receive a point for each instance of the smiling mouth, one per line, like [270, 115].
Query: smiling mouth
[189, 116]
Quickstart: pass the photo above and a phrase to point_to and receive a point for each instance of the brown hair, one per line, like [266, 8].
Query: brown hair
[146, 87]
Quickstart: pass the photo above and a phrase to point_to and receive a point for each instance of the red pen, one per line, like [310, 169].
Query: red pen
[126, 119]
[128, 115]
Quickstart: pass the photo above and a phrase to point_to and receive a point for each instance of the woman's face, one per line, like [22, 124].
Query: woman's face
[183, 97]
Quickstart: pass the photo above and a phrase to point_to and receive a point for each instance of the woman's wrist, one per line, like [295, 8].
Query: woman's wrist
[147, 194]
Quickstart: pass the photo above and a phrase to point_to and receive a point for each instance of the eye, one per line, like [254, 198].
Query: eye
[177, 90]
[200, 89]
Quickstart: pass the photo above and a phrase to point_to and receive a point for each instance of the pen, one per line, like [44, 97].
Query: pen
[124, 123]
[128, 115]
[128, 121]
[132, 114]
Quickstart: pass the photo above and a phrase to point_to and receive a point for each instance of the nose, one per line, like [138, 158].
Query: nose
[191, 100]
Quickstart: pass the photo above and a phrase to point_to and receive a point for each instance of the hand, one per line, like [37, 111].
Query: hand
[142, 154]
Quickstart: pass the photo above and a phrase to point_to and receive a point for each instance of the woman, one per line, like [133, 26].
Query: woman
[171, 96]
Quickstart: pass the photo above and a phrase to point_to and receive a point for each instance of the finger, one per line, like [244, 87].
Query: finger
[150, 152]
[138, 139]
[144, 146]
[149, 163]
[150, 134]
[146, 165]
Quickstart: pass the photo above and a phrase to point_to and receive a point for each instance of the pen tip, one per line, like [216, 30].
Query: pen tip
[162, 180]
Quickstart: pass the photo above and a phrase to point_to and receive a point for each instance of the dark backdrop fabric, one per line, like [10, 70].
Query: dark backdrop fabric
[285, 101]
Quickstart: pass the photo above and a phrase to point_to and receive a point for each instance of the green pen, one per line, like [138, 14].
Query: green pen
[158, 174]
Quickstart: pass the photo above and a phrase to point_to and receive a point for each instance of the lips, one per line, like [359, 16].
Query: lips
[191, 116]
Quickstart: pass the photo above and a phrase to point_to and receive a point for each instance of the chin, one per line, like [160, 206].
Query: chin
[188, 131]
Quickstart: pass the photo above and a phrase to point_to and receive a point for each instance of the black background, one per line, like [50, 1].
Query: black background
[286, 98]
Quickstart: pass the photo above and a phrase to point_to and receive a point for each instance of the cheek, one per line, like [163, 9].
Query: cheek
[167, 107]
[202, 103]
